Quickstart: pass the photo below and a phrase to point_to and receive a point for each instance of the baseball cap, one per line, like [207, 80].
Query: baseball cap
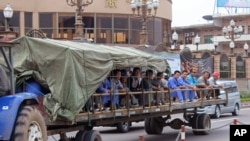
[216, 74]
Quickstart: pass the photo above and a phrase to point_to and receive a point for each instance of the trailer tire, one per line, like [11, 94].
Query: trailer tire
[156, 126]
[204, 123]
[194, 123]
[30, 125]
[92, 135]
[201, 121]
[123, 127]
[80, 135]
[147, 126]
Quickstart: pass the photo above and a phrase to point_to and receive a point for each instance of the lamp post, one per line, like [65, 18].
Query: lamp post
[143, 8]
[8, 13]
[79, 11]
[246, 48]
[232, 32]
[231, 45]
[197, 40]
[216, 43]
[175, 38]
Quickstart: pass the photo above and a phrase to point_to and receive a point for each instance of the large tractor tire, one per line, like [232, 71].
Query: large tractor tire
[29, 126]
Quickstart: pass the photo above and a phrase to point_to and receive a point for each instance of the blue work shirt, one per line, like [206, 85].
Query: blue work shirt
[115, 86]
[173, 83]
[103, 89]
[192, 80]
[182, 81]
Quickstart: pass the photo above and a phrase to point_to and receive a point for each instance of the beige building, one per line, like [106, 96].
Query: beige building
[232, 62]
[105, 21]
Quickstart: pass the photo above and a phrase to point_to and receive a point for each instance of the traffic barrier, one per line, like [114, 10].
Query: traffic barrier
[183, 133]
[235, 122]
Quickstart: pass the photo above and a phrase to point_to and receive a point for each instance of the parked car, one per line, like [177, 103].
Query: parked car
[233, 105]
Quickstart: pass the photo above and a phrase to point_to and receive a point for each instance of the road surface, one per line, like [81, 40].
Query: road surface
[219, 130]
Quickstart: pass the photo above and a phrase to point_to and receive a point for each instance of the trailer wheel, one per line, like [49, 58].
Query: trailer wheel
[92, 135]
[156, 126]
[201, 121]
[147, 126]
[123, 127]
[29, 126]
[80, 135]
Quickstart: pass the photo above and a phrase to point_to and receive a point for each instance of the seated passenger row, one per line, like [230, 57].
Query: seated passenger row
[119, 82]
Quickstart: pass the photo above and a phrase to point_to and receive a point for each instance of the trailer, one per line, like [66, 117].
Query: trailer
[68, 74]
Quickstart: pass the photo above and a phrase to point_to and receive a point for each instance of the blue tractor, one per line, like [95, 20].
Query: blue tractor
[18, 110]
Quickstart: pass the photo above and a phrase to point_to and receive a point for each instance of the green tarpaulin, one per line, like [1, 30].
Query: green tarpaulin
[74, 70]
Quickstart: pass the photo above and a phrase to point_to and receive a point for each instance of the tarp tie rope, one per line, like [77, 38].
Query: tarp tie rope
[86, 89]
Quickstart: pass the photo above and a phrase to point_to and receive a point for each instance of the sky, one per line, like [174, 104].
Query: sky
[189, 12]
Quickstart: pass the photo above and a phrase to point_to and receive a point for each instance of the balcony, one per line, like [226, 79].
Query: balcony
[243, 38]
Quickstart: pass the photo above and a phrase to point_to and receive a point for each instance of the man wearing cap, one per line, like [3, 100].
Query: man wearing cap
[213, 82]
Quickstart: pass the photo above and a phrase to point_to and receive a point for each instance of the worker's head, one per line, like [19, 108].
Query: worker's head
[216, 75]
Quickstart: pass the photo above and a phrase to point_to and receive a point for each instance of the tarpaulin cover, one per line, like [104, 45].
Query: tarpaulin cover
[74, 70]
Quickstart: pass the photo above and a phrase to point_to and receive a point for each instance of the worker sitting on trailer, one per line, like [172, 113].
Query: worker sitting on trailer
[175, 87]
[104, 88]
[115, 86]
[189, 94]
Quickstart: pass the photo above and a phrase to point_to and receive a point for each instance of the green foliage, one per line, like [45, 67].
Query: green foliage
[245, 96]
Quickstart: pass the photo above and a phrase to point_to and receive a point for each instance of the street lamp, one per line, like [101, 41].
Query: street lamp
[79, 11]
[197, 40]
[246, 48]
[175, 38]
[8, 13]
[232, 32]
[143, 8]
[216, 43]
[231, 45]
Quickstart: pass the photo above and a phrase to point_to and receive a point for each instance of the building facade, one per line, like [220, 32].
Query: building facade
[105, 21]
[232, 63]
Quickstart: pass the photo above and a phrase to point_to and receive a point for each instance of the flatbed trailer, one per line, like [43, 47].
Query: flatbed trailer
[29, 120]
[154, 117]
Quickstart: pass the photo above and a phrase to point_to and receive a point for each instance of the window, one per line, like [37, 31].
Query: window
[14, 23]
[45, 23]
[240, 67]
[121, 29]
[104, 28]
[225, 68]
[189, 37]
[208, 39]
[28, 21]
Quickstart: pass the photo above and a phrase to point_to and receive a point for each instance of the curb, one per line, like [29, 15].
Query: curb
[245, 104]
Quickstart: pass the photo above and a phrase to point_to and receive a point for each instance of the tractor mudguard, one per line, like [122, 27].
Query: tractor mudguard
[9, 108]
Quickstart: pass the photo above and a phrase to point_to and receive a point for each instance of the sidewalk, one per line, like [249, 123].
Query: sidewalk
[245, 104]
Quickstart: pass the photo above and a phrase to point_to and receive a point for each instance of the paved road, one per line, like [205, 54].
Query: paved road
[219, 132]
